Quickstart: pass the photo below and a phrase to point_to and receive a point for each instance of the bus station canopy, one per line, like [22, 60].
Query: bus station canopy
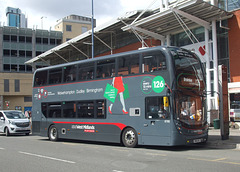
[148, 24]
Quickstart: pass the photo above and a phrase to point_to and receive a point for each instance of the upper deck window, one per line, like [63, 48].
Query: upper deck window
[55, 76]
[153, 61]
[40, 78]
[70, 73]
[85, 71]
[105, 68]
[128, 65]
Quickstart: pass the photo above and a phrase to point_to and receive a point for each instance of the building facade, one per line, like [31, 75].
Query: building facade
[17, 45]
[15, 18]
[74, 25]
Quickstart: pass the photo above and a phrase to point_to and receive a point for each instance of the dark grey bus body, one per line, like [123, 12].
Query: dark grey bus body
[95, 122]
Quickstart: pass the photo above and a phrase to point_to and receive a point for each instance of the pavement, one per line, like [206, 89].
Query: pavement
[215, 139]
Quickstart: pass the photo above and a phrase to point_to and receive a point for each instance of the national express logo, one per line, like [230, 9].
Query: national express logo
[42, 93]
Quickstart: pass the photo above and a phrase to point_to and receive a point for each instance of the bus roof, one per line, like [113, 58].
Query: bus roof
[111, 56]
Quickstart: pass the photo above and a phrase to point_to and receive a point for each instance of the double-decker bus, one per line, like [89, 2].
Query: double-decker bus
[152, 96]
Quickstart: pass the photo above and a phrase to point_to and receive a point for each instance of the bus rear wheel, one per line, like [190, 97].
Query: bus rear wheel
[53, 133]
[129, 138]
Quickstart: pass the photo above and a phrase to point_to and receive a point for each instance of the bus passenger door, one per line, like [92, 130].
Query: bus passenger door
[157, 125]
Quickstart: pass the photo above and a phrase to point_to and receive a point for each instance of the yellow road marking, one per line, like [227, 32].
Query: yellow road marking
[216, 160]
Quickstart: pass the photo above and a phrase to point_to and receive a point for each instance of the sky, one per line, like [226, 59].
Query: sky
[53, 10]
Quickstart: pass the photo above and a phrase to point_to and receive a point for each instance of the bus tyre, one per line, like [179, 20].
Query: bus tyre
[7, 132]
[53, 133]
[129, 138]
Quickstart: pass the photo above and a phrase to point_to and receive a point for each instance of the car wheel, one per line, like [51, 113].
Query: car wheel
[129, 138]
[53, 133]
[7, 132]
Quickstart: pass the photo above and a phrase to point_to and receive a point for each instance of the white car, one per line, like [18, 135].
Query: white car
[14, 122]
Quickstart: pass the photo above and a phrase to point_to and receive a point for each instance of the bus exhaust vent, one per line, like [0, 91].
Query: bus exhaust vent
[135, 112]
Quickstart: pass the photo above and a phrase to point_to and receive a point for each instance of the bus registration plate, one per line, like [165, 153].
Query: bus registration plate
[197, 140]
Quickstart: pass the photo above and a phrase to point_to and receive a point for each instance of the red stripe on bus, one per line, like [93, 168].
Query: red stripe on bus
[120, 125]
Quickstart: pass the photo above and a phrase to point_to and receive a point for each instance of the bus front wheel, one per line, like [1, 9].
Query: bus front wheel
[53, 133]
[129, 138]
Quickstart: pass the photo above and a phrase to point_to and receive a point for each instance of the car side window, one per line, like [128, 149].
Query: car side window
[1, 115]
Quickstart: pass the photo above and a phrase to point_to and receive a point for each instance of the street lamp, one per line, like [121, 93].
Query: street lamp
[42, 20]
[92, 32]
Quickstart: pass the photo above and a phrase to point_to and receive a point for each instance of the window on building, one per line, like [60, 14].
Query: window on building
[29, 68]
[6, 67]
[22, 53]
[13, 38]
[38, 40]
[17, 85]
[84, 29]
[45, 40]
[38, 53]
[14, 53]
[22, 38]
[6, 37]
[6, 52]
[59, 41]
[52, 41]
[69, 28]
[6, 85]
[14, 68]
[27, 99]
[29, 39]
[21, 68]
[28, 53]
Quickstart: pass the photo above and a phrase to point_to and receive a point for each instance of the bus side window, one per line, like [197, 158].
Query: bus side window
[54, 110]
[153, 62]
[85, 72]
[123, 66]
[69, 73]
[105, 68]
[100, 104]
[85, 109]
[40, 78]
[69, 110]
[134, 64]
[55, 76]
[156, 108]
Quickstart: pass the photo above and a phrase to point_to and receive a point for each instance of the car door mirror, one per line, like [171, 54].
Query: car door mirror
[2, 118]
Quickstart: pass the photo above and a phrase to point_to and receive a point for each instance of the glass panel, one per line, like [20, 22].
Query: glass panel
[85, 72]
[85, 109]
[40, 78]
[69, 109]
[105, 68]
[153, 61]
[70, 73]
[55, 76]
[155, 108]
